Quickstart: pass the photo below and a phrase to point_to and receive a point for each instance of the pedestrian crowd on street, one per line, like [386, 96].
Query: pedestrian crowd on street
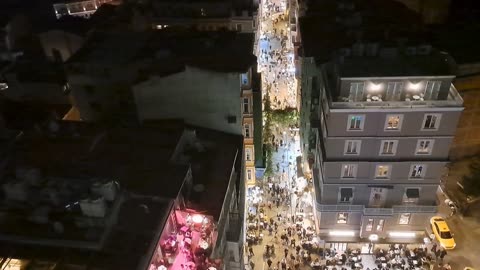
[276, 62]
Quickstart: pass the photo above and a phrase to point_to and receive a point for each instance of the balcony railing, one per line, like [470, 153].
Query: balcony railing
[454, 100]
[414, 209]
[376, 211]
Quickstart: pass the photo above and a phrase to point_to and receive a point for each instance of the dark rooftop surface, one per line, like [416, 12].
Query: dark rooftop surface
[139, 159]
[330, 25]
[401, 65]
[213, 169]
[136, 158]
[169, 51]
[24, 115]
[458, 40]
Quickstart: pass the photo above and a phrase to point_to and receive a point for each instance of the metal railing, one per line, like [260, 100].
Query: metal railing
[370, 211]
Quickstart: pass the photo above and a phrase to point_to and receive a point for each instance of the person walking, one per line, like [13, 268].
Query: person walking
[269, 263]
[250, 251]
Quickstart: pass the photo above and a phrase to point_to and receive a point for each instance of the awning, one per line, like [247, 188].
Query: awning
[413, 193]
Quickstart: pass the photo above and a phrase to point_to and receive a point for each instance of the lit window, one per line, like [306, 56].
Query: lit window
[349, 170]
[417, 171]
[382, 171]
[249, 174]
[342, 218]
[369, 226]
[352, 147]
[388, 147]
[424, 147]
[404, 219]
[355, 122]
[246, 105]
[380, 224]
[431, 121]
[246, 130]
[393, 122]
[248, 154]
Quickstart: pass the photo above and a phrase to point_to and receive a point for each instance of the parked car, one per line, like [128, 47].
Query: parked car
[442, 232]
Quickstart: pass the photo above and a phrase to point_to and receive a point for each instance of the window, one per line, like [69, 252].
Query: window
[248, 154]
[431, 90]
[346, 195]
[246, 130]
[393, 122]
[380, 224]
[388, 147]
[352, 147]
[349, 170]
[369, 226]
[244, 78]
[356, 91]
[394, 91]
[431, 121]
[404, 219]
[355, 122]
[424, 147]
[411, 196]
[382, 171]
[417, 171]
[246, 105]
[342, 218]
[249, 174]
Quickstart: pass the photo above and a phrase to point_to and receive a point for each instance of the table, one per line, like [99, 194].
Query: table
[416, 97]
[203, 244]
[375, 98]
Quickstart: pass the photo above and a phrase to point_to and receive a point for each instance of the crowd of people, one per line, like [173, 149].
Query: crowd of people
[276, 57]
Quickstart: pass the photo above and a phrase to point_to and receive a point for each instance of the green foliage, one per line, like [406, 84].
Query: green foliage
[471, 182]
[285, 117]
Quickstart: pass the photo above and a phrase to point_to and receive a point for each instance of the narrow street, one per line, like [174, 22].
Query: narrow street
[281, 228]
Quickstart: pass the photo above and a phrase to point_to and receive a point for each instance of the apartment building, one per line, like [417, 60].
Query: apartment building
[79, 8]
[383, 121]
[166, 177]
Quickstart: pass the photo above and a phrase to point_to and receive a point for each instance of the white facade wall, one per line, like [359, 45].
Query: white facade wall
[200, 97]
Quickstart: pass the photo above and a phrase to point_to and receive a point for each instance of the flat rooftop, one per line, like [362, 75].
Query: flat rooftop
[433, 64]
[330, 25]
[166, 51]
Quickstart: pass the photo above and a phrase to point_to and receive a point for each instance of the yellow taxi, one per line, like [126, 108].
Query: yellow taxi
[442, 232]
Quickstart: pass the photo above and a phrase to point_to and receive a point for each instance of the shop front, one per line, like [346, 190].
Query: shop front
[186, 242]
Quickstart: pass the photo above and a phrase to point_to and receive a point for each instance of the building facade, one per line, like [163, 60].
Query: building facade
[78, 8]
[380, 144]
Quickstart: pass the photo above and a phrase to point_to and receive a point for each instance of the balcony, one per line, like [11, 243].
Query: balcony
[454, 100]
[367, 211]
[378, 211]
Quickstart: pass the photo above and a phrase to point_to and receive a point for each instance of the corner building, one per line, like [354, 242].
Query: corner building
[383, 123]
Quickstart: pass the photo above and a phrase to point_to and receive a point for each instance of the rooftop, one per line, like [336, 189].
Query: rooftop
[331, 25]
[433, 64]
[167, 51]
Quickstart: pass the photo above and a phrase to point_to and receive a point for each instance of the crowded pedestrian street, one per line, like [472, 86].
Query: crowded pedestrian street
[276, 61]
[281, 229]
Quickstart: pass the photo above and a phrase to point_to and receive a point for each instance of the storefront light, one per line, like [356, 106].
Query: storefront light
[402, 234]
[341, 233]
[373, 237]
[197, 218]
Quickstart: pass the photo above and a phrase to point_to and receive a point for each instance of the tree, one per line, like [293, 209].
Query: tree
[471, 182]
[285, 117]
